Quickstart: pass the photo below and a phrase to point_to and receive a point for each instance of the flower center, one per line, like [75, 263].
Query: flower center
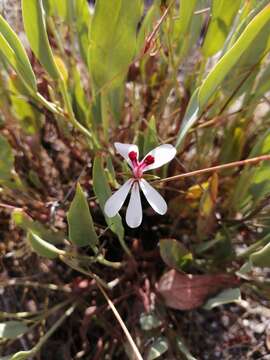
[138, 167]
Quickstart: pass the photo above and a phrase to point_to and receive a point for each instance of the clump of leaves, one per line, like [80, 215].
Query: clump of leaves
[193, 74]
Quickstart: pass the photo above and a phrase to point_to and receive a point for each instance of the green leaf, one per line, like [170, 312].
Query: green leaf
[83, 21]
[80, 223]
[158, 348]
[229, 60]
[35, 28]
[262, 257]
[103, 192]
[26, 223]
[181, 32]
[223, 13]
[6, 159]
[42, 247]
[173, 253]
[224, 297]
[14, 53]
[217, 75]
[112, 40]
[12, 329]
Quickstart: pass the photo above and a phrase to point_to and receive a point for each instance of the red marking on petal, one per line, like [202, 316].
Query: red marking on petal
[149, 160]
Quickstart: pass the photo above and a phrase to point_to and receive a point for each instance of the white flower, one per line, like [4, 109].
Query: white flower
[154, 159]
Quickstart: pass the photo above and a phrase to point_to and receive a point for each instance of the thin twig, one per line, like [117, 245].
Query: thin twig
[122, 324]
[250, 161]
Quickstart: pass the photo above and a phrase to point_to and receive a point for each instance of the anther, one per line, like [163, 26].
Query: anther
[132, 155]
[149, 160]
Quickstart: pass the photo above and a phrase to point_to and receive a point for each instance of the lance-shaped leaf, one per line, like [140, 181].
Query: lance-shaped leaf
[83, 20]
[229, 60]
[222, 15]
[80, 223]
[103, 192]
[112, 40]
[262, 257]
[224, 66]
[35, 28]
[13, 51]
[26, 223]
[42, 247]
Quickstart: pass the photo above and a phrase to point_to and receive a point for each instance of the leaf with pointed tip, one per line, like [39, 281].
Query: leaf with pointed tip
[103, 192]
[13, 51]
[35, 28]
[42, 247]
[80, 223]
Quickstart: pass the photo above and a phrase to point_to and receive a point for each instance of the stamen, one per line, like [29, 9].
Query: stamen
[132, 155]
[149, 160]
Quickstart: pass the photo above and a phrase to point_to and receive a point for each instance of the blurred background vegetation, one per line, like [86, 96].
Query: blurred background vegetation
[75, 77]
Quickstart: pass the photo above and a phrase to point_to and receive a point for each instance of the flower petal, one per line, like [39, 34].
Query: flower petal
[162, 155]
[153, 197]
[116, 201]
[125, 149]
[134, 210]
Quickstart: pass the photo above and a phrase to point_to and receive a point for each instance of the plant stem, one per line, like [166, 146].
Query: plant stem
[122, 324]
[251, 161]
[71, 116]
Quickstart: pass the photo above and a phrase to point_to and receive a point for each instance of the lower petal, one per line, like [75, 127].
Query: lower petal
[116, 201]
[134, 210]
[153, 197]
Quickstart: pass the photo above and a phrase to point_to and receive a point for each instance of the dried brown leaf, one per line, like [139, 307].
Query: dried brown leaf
[186, 292]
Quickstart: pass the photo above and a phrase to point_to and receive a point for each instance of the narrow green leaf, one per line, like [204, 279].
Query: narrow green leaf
[12, 329]
[223, 13]
[229, 60]
[13, 51]
[262, 257]
[158, 348]
[83, 20]
[42, 247]
[35, 28]
[226, 296]
[26, 223]
[181, 32]
[80, 223]
[216, 76]
[103, 192]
